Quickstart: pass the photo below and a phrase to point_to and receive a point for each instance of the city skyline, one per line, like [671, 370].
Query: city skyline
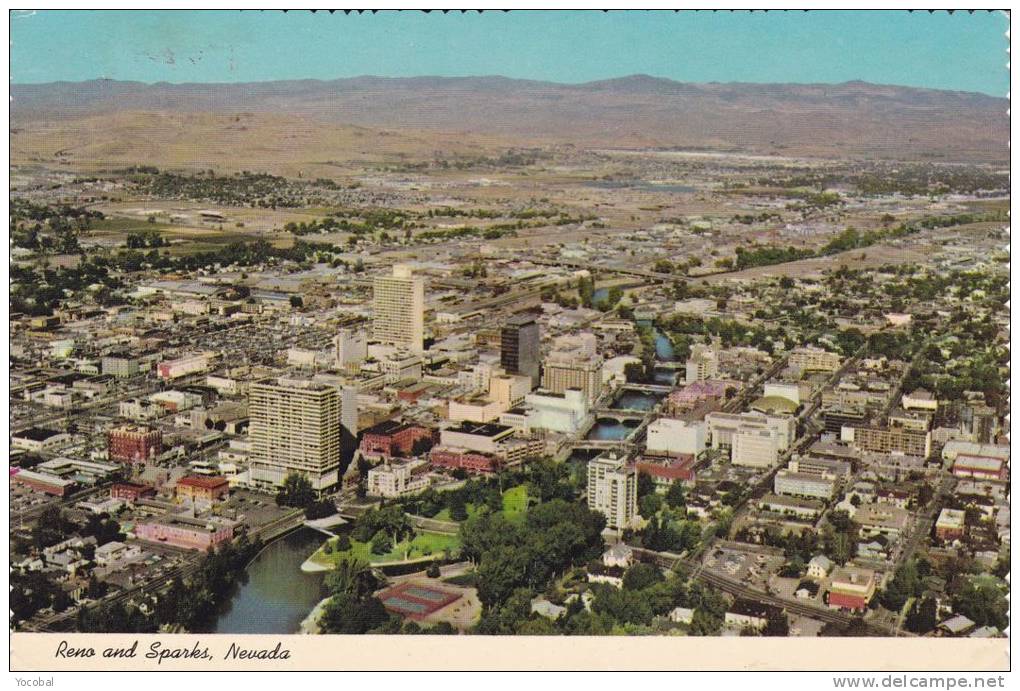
[500, 358]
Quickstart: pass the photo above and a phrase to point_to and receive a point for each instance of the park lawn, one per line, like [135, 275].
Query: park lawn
[515, 506]
[444, 515]
[515, 503]
[423, 544]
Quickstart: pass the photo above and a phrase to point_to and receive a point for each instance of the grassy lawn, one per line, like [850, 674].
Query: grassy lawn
[515, 503]
[444, 515]
[423, 544]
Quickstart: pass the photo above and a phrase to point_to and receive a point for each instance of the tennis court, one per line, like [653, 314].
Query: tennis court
[416, 600]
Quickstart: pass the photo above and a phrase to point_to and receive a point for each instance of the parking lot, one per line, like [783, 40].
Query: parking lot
[752, 569]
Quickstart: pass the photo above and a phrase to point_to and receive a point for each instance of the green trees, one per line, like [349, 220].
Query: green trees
[296, 492]
[458, 508]
[555, 536]
[905, 584]
[666, 535]
[381, 543]
[675, 495]
[983, 601]
[390, 521]
[586, 290]
[641, 576]
[351, 607]
[650, 504]
[320, 509]
[923, 615]
[51, 527]
[351, 576]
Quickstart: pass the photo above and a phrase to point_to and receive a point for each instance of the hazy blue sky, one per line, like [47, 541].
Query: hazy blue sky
[959, 51]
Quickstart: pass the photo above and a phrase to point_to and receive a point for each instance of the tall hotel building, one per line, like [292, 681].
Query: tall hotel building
[398, 309]
[519, 346]
[612, 490]
[295, 428]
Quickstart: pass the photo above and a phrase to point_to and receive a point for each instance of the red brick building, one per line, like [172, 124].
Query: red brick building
[134, 444]
[201, 489]
[665, 470]
[391, 438]
[471, 461]
[130, 491]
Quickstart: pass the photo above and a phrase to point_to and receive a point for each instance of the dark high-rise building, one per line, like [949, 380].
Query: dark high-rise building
[520, 351]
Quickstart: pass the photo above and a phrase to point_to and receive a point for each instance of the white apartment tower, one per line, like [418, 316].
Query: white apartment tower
[612, 490]
[398, 309]
[295, 428]
[350, 348]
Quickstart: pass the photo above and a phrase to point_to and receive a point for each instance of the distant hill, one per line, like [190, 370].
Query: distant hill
[850, 119]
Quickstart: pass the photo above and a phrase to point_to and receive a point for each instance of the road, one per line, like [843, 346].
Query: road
[832, 616]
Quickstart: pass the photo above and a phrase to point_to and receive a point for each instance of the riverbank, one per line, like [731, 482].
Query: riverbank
[310, 624]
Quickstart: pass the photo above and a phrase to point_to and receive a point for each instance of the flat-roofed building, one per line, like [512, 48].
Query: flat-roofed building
[509, 390]
[41, 482]
[350, 348]
[134, 444]
[398, 478]
[560, 373]
[186, 532]
[979, 467]
[920, 399]
[520, 346]
[804, 485]
[821, 466]
[612, 490]
[813, 359]
[797, 507]
[909, 442]
[701, 365]
[474, 408]
[484, 438]
[670, 436]
[394, 438]
[722, 427]
[398, 309]
[39, 440]
[567, 412]
[951, 525]
[882, 519]
[754, 448]
[851, 588]
[295, 428]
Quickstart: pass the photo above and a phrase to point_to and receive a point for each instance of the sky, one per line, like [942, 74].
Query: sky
[962, 51]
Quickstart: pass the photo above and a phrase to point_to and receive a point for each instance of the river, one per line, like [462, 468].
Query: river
[277, 595]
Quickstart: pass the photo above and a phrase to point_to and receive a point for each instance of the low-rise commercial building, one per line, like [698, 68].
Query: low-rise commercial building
[201, 489]
[851, 588]
[799, 484]
[951, 525]
[398, 478]
[186, 532]
[671, 437]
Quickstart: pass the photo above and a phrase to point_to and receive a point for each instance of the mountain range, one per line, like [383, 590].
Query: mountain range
[852, 119]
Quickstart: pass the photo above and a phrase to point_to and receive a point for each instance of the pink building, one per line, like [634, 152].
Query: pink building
[187, 533]
[698, 393]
